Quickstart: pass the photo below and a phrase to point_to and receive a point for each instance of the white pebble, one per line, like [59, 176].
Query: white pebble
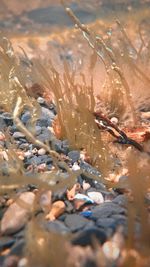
[85, 186]
[75, 167]
[83, 197]
[97, 197]
[41, 151]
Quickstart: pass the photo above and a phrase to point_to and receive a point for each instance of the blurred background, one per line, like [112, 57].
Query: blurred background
[44, 30]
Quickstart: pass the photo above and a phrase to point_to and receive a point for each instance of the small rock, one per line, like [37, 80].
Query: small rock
[75, 167]
[7, 117]
[23, 262]
[57, 209]
[88, 169]
[16, 216]
[84, 197]
[75, 222]
[18, 135]
[111, 250]
[2, 123]
[28, 154]
[47, 116]
[114, 120]
[74, 155]
[41, 151]
[38, 130]
[121, 200]
[72, 192]
[45, 136]
[107, 209]
[24, 146]
[41, 100]
[97, 197]
[88, 236]
[86, 213]
[26, 117]
[85, 186]
[56, 226]
[105, 222]
[2, 136]
[11, 261]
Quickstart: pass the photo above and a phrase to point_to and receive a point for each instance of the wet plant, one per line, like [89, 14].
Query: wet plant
[76, 104]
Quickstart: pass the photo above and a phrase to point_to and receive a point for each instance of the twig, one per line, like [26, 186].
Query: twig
[104, 123]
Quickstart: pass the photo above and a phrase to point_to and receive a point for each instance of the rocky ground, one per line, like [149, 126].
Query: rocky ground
[85, 213]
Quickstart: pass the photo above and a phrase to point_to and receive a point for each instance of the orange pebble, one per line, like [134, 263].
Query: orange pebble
[57, 209]
[71, 193]
[2, 136]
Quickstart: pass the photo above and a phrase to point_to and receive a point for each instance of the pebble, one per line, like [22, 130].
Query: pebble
[57, 227]
[47, 115]
[57, 145]
[41, 152]
[85, 186]
[26, 117]
[84, 197]
[18, 135]
[17, 216]
[89, 169]
[88, 236]
[2, 136]
[111, 250]
[72, 192]
[23, 262]
[38, 130]
[121, 200]
[105, 222]
[75, 167]
[57, 208]
[11, 261]
[7, 117]
[74, 155]
[75, 222]
[41, 100]
[107, 209]
[45, 136]
[97, 197]
[86, 214]
[114, 120]
[2, 123]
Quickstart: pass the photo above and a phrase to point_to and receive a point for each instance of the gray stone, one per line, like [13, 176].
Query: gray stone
[105, 222]
[88, 236]
[74, 155]
[56, 226]
[18, 135]
[97, 197]
[121, 200]
[26, 117]
[75, 222]
[106, 209]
